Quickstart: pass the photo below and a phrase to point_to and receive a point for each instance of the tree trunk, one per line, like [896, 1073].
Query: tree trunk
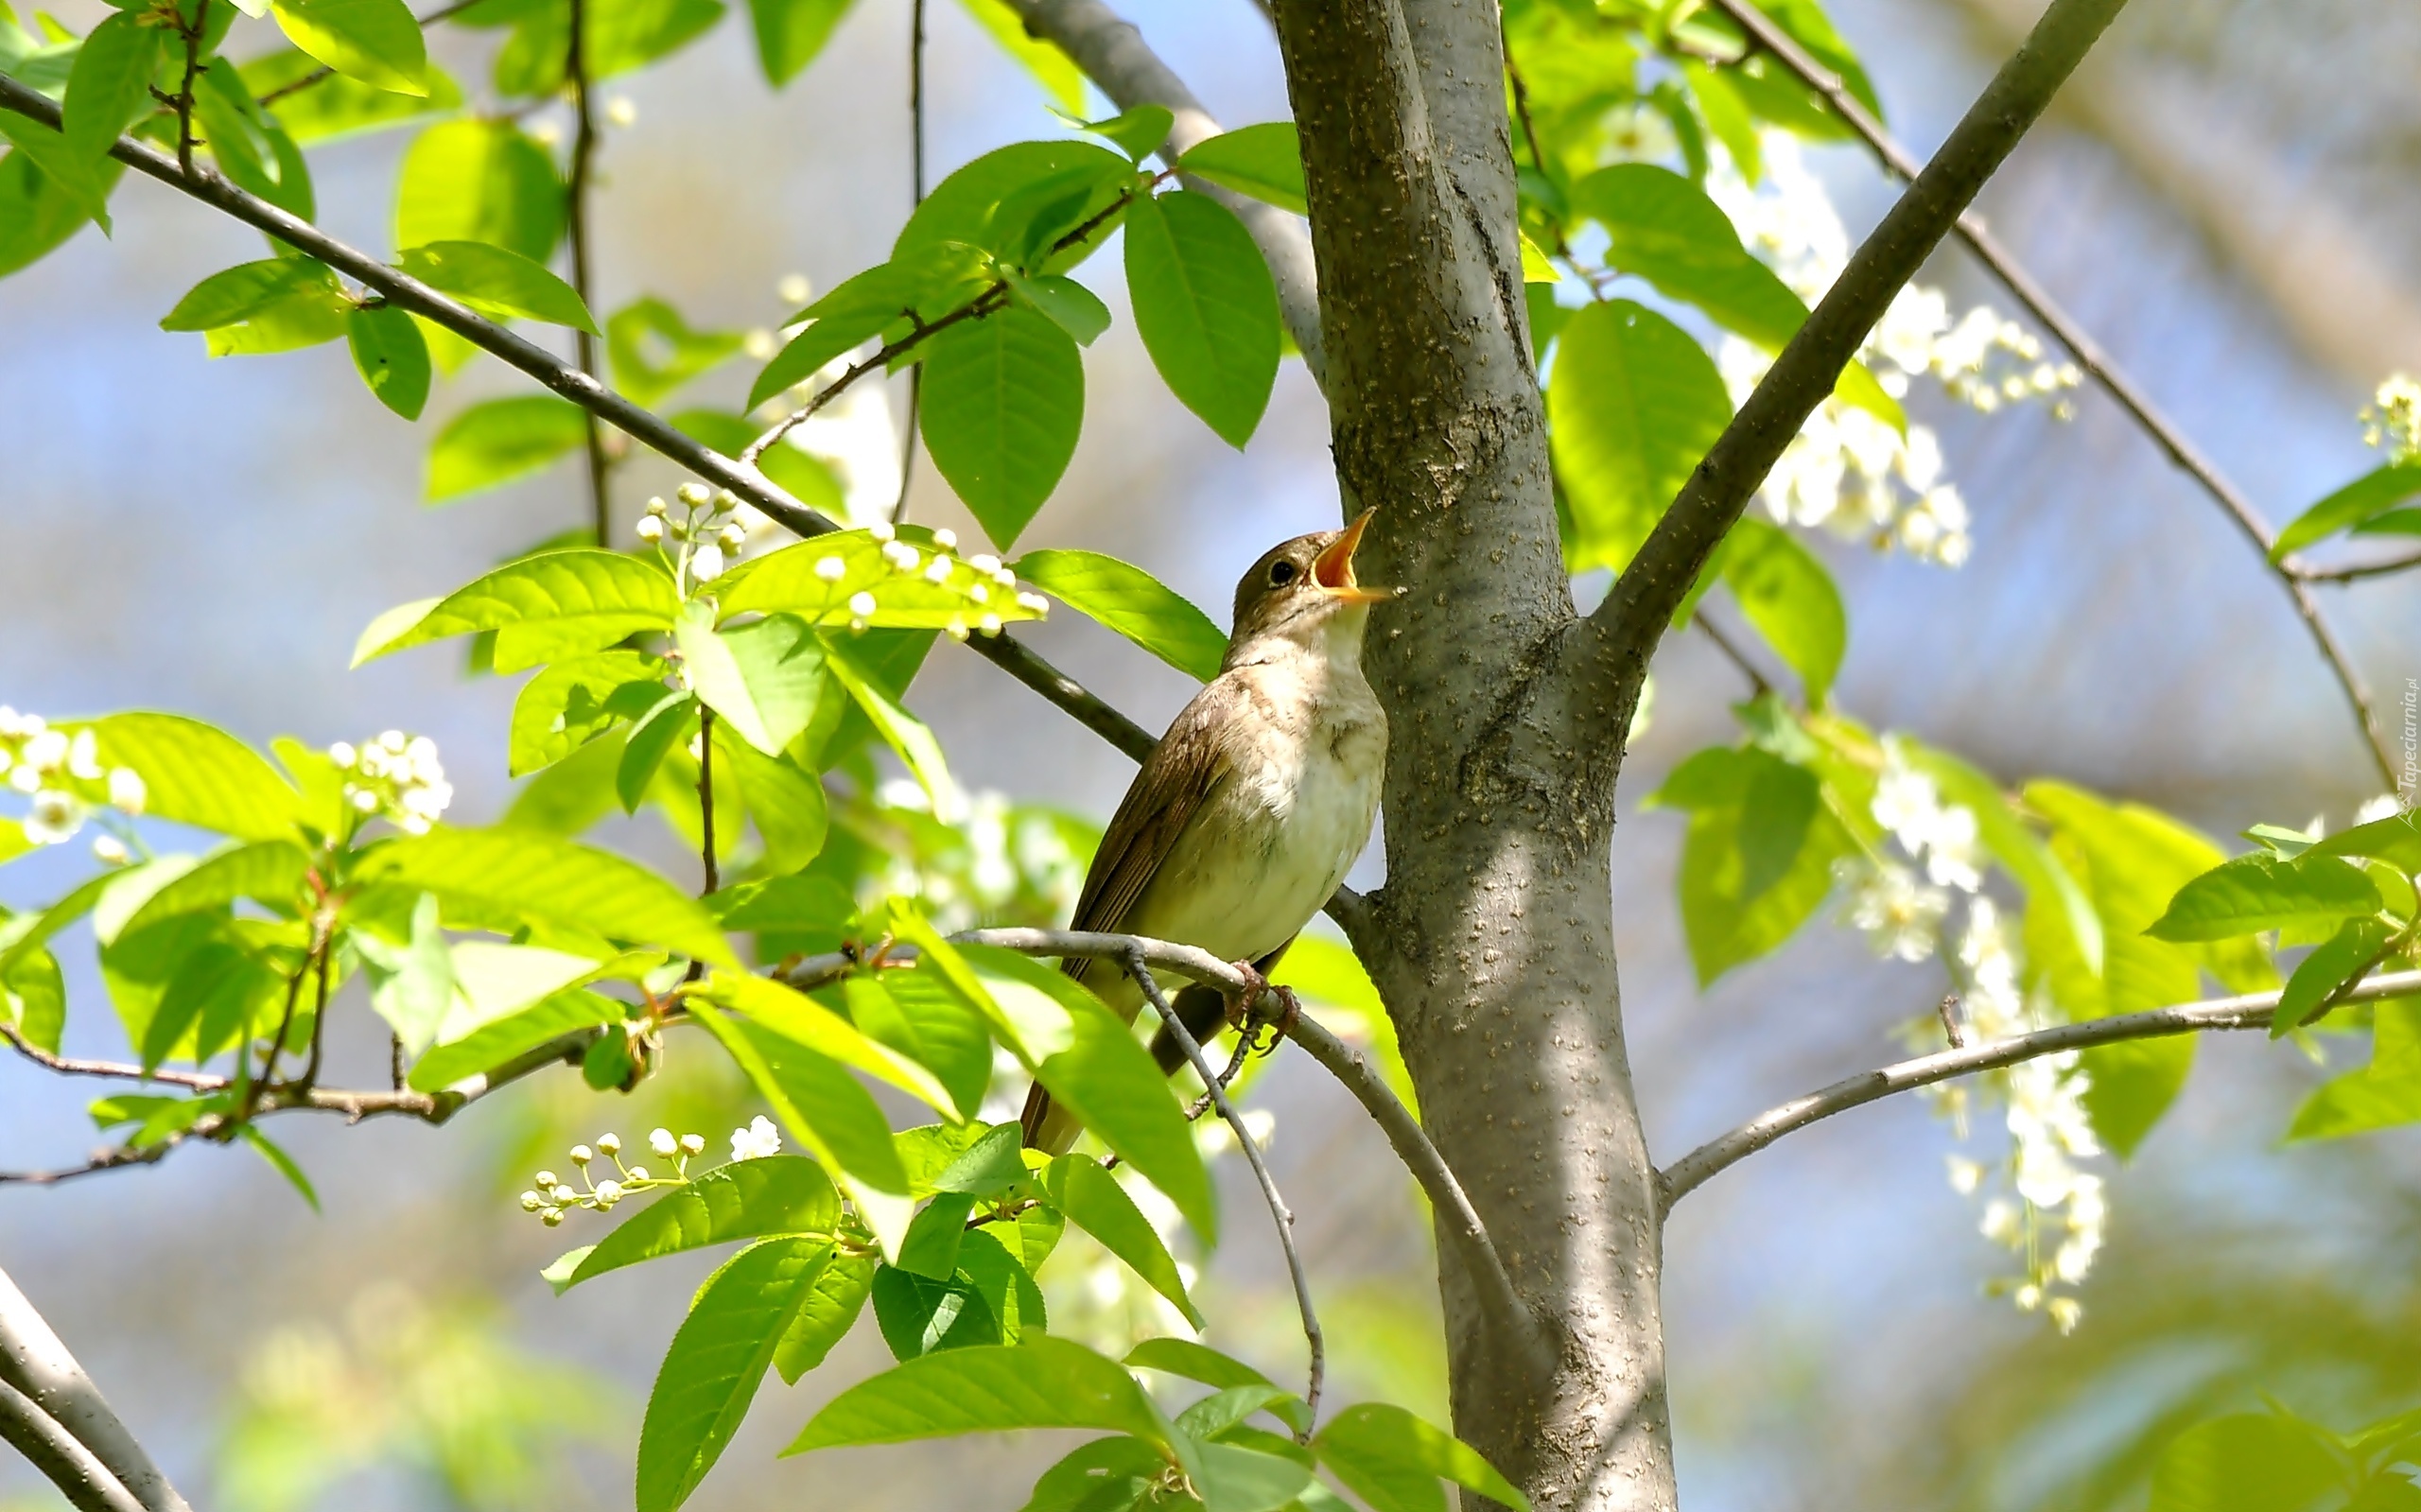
[1491, 941]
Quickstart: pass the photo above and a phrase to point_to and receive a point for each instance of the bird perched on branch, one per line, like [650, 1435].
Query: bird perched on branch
[1249, 813]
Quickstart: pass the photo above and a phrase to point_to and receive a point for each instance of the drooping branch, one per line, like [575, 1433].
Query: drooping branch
[1280, 1217]
[51, 1411]
[1632, 620]
[2250, 1011]
[576, 183]
[2089, 356]
[1112, 53]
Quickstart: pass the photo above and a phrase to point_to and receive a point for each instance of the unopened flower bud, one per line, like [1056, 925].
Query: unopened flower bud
[609, 1145]
[861, 605]
[662, 1142]
[883, 532]
[532, 1202]
[609, 1192]
[552, 1217]
[564, 1194]
[832, 569]
[692, 1144]
[582, 1154]
[651, 530]
[548, 1181]
[946, 539]
[693, 494]
[638, 1174]
[109, 850]
[656, 505]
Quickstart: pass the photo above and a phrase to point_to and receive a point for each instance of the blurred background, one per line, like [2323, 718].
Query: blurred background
[2227, 198]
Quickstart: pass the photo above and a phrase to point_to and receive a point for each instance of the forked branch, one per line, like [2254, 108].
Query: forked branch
[51, 1412]
[1691, 1170]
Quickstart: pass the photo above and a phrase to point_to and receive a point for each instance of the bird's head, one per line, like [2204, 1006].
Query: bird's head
[1304, 591]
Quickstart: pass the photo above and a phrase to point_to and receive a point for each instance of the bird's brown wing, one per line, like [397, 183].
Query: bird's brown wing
[1177, 779]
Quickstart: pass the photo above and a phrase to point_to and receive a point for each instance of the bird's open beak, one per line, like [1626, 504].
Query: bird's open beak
[1332, 569]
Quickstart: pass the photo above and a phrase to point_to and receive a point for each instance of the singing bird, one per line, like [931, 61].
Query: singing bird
[1258, 798]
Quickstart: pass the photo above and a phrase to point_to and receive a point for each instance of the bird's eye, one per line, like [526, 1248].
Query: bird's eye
[1282, 573]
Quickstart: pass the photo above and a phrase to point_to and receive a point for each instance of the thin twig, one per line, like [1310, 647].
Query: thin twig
[706, 794]
[1283, 1219]
[916, 198]
[576, 186]
[324, 951]
[2089, 356]
[2253, 1011]
[980, 306]
[2355, 574]
[1732, 653]
[191, 32]
[66, 1066]
[317, 75]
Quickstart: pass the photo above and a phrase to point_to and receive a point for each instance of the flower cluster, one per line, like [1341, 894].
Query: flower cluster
[2055, 1212]
[2392, 421]
[395, 777]
[1847, 469]
[63, 776]
[551, 1196]
[706, 534]
[998, 862]
[984, 575]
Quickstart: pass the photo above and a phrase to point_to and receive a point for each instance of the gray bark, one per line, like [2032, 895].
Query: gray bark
[1492, 937]
[52, 1412]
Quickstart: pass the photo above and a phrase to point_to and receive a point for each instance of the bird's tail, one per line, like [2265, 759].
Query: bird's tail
[1051, 1128]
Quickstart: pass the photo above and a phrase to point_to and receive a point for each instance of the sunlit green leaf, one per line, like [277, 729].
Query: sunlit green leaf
[796, 1017]
[2367, 497]
[1758, 859]
[908, 736]
[763, 677]
[1133, 603]
[499, 440]
[37, 214]
[745, 1199]
[500, 1042]
[817, 580]
[597, 597]
[717, 1361]
[1045, 1382]
[1786, 592]
[1093, 1201]
[390, 356]
[1264, 161]
[826, 1316]
[1052, 69]
[337, 107]
[790, 32]
[267, 871]
[815, 1098]
[198, 774]
[110, 87]
[1394, 1461]
[376, 41]
[2249, 1462]
[1005, 398]
[1205, 308]
[570, 703]
[497, 281]
[480, 181]
[555, 882]
[2261, 891]
[652, 350]
[1632, 402]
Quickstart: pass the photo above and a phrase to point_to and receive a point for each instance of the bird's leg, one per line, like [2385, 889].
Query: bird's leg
[1244, 1007]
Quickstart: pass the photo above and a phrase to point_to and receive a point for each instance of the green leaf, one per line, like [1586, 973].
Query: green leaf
[249, 146]
[790, 32]
[1044, 1382]
[84, 181]
[747, 1199]
[1094, 1202]
[593, 598]
[1138, 132]
[238, 294]
[480, 181]
[788, 805]
[815, 1097]
[2248, 1462]
[1786, 592]
[1132, 603]
[1107, 1473]
[1070, 305]
[1205, 308]
[215, 983]
[1232, 1478]
[907, 735]
[1005, 398]
[800, 1019]
[1030, 1007]
[1264, 161]
[1199, 1362]
[652, 350]
[497, 282]
[1052, 69]
[652, 739]
[919, 1315]
[412, 981]
[542, 879]
[1394, 1461]
[1111, 1083]
[500, 1042]
[2395, 839]
[930, 1248]
[1632, 402]
[717, 1361]
[269, 871]
[1758, 859]
[1664, 229]
[816, 580]
[110, 87]
[2261, 891]
[2353, 948]
[37, 214]
[338, 107]
[35, 995]
[763, 677]
[2358, 502]
[197, 774]
[500, 440]
[570, 703]
[946, 1034]
[2385, 1094]
[391, 357]
[825, 1318]
[280, 1162]
[376, 41]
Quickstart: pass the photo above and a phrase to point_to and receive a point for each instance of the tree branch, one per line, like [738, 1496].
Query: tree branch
[576, 185]
[42, 1384]
[2095, 362]
[1634, 615]
[1114, 56]
[2251, 1012]
[2355, 574]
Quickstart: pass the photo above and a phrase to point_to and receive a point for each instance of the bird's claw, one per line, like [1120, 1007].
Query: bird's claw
[1243, 1007]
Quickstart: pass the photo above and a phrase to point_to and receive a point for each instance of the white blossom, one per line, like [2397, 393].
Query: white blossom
[760, 1139]
[2392, 421]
